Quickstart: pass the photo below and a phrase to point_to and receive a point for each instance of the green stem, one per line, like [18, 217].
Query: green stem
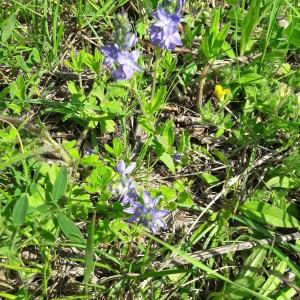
[158, 54]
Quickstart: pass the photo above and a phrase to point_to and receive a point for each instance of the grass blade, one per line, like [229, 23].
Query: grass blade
[89, 261]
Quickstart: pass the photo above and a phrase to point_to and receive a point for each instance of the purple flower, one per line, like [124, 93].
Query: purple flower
[124, 170]
[126, 188]
[123, 36]
[127, 191]
[177, 157]
[111, 54]
[127, 65]
[147, 213]
[89, 151]
[129, 41]
[164, 31]
[118, 56]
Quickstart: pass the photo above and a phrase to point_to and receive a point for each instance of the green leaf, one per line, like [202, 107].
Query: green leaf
[185, 199]
[250, 77]
[168, 133]
[272, 22]
[118, 147]
[218, 43]
[141, 27]
[146, 124]
[209, 178]
[287, 294]
[184, 142]
[116, 92]
[249, 24]
[283, 182]
[20, 210]
[273, 281]
[293, 32]
[253, 262]
[113, 107]
[18, 88]
[89, 261]
[268, 214]
[107, 126]
[73, 88]
[8, 296]
[157, 101]
[235, 293]
[168, 161]
[227, 50]
[205, 47]
[22, 63]
[69, 229]
[8, 28]
[60, 184]
[214, 28]
[248, 276]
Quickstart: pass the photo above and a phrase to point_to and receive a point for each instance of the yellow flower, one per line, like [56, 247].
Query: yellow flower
[221, 92]
[284, 90]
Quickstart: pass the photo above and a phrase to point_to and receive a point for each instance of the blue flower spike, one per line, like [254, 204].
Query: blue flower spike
[164, 31]
[119, 56]
[127, 188]
[147, 213]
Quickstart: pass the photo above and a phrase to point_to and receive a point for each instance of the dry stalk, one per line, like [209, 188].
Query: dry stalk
[202, 80]
[205, 254]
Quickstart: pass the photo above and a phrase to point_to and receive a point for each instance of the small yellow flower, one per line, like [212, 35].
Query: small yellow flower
[221, 92]
[284, 90]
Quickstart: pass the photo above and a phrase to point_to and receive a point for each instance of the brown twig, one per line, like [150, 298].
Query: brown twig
[201, 85]
[20, 122]
[205, 254]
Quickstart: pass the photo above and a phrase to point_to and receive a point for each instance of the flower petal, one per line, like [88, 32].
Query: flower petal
[130, 168]
[161, 213]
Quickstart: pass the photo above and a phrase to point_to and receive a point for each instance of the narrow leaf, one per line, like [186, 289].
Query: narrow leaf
[69, 229]
[268, 214]
[60, 184]
[89, 262]
[273, 281]
[168, 161]
[20, 210]
[249, 24]
[283, 182]
[8, 27]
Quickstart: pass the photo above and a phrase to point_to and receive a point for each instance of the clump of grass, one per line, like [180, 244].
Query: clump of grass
[149, 150]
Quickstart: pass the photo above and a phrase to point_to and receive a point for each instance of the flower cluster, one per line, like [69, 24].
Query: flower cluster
[127, 188]
[146, 213]
[118, 55]
[164, 31]
[142, 208]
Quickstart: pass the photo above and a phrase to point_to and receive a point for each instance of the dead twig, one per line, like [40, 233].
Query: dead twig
[205, 254]
[202, 80]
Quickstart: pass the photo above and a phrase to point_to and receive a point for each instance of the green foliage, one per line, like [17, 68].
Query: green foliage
[228, 173]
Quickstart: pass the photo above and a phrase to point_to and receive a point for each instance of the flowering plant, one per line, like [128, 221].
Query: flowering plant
[164, 31]
[142, 207]
[118, 55]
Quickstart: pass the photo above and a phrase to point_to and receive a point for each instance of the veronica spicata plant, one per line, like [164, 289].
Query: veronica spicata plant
[147, 213]
[164, 31]
[126, 188]
[143, 208]
[118, 56]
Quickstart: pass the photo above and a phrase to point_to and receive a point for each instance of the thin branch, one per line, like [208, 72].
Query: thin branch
[205, 254]
[202, 80]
